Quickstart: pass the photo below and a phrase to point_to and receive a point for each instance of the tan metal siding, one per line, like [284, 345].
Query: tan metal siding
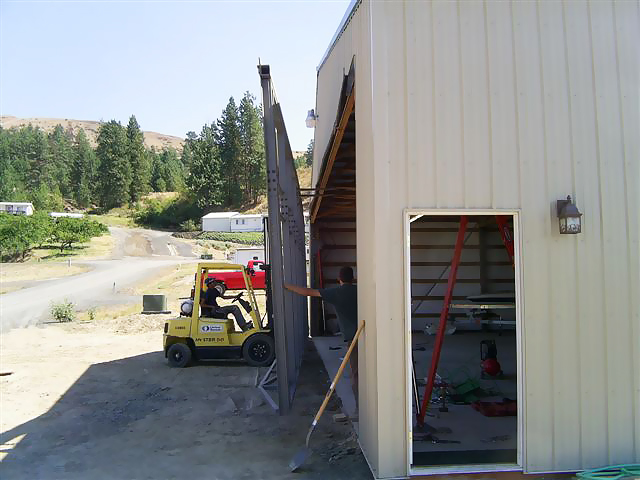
[506, 105]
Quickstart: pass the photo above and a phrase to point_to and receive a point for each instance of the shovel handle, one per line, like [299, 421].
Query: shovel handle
[338, 375]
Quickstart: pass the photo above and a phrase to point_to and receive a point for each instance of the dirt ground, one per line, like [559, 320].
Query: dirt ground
[96, 400]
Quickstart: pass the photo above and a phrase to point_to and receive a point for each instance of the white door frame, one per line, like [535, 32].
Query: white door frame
[517, 242]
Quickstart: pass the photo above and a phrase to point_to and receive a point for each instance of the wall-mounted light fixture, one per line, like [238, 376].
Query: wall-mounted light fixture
[311, 119]
[568, 216]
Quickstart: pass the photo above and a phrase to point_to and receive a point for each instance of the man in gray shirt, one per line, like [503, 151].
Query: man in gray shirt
[344, 299]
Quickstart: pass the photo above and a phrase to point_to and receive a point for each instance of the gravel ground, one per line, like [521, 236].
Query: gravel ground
[96, 400]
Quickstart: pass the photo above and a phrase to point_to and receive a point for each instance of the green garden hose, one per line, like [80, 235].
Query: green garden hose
[613, 472]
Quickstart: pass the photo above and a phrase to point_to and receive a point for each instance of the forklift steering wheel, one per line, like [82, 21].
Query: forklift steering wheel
[237, 297]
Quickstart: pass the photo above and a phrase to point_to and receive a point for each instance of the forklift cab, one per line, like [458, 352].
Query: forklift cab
[193, 336]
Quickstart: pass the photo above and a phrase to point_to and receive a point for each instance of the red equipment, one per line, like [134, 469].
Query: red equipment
[235, 281]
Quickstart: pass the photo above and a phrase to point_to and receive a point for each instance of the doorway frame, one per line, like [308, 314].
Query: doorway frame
[517, 242]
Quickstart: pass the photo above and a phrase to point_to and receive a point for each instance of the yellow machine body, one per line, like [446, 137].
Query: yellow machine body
[216, 338]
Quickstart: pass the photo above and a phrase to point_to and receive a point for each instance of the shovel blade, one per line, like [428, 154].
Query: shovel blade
[299, 458]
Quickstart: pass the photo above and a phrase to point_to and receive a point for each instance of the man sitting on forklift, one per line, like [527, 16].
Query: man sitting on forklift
[210, 307]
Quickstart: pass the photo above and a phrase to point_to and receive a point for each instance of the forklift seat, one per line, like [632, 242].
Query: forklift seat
[220, 315]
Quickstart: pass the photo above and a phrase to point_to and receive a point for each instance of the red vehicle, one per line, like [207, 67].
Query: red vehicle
[234, 280]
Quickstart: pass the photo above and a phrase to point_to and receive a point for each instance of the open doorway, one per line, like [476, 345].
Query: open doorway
[464, 357]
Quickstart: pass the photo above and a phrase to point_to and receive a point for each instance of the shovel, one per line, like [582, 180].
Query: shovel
[302, 455]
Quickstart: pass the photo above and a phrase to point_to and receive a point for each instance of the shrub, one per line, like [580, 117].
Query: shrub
[189, 226]
[167, 212]
[244, 238]
[63, 311]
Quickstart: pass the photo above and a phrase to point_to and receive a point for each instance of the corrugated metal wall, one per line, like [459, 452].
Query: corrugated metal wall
[515, 105]
[506, 105]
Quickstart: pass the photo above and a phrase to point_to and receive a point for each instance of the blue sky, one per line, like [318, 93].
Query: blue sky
[172, 64]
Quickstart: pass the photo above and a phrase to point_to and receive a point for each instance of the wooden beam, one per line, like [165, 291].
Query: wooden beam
[342, 125]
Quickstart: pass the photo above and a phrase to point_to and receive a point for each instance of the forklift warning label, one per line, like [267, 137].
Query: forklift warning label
[211, 328]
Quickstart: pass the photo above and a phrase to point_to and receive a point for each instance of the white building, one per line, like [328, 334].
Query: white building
[487, 111]
[247, 223]
[232, 222]
[217, 221]
[66, 215]
[17, 208]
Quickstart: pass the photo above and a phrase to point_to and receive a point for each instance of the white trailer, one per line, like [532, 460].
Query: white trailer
[242, 256]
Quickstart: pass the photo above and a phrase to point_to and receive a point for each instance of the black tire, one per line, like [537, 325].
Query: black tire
[179, 355]
[259, 350]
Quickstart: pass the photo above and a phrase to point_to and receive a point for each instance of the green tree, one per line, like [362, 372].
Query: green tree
[67, 231]
[158, 183]
[171, 170]
[229, 146]
[83, 170]
[138, 160]
[17, 236]
[41, 226]
[204, 181]
[9, 180]
[59, 160]
[252, 156]
[114, 177]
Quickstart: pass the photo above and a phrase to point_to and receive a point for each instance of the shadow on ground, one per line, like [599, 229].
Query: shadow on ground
[135, 418]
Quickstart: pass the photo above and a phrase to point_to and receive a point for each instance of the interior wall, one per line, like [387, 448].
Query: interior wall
[432, 247]
[337, 248]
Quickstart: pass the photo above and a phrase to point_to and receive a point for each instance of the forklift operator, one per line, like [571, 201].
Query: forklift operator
[210, 307]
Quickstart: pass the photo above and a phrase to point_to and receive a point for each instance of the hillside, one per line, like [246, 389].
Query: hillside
[151, 139]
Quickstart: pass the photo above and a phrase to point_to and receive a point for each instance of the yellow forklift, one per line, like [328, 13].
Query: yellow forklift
[192, 336]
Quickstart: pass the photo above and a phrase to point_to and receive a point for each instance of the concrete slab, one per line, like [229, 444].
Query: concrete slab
[460, 361]
[332, 350]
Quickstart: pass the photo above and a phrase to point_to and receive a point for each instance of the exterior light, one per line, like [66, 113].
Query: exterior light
[568, 216]
[311, 119]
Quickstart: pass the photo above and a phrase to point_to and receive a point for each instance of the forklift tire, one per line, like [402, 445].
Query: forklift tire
[179, 355]
[259, 350]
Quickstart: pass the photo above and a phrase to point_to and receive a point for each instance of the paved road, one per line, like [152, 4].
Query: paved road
[138, 253]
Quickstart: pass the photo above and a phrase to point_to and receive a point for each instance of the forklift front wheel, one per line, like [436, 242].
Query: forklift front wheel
[259, 350]
[179, 355]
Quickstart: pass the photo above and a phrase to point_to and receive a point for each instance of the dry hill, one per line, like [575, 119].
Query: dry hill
[151, 139]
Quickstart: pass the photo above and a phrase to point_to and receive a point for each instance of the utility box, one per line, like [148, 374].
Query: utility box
[154, 304]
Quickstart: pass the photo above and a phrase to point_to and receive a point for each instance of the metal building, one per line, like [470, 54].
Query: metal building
[430, 111]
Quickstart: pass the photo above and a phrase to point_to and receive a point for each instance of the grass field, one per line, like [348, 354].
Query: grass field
[97, 247]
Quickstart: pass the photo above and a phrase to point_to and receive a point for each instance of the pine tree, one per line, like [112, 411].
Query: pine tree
[60, 160]
[9, 183]
[204, 181]
[114, 170]
[171, 170]
[138, 160]
[83, 170]
[228, 140]
[252, 149]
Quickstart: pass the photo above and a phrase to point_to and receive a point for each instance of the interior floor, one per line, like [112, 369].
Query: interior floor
[482, 439]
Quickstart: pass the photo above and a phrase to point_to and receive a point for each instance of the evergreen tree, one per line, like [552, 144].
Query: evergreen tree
[60, 160]
[138, 160]
[157, 171]
[9, 183]
[171, 170]
[252, 149]
[308, 155]
[114, 170]
[83, 170]
[204, 180]
[228, 140]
